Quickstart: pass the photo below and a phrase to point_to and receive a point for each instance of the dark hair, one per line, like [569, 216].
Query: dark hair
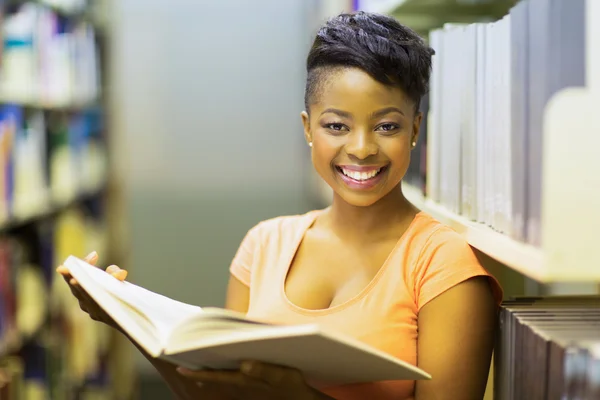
[388, 51]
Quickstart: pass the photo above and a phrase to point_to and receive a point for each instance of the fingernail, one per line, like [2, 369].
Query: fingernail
[92, 255]
[120, 275]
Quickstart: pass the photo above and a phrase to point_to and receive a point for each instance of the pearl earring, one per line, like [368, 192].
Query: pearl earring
[414, 144]
[309, 144]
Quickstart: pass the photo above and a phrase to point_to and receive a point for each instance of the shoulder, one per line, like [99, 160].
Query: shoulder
[282, 227]
[445, 259]
[444, 238]
[432, 237]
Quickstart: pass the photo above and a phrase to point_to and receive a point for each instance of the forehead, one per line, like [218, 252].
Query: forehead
[354, 90]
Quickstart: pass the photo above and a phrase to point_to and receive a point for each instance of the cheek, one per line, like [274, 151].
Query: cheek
[326, 147]
[323, 153]
[398, 152]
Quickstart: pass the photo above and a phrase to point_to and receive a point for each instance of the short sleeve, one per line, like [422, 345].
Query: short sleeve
[445, 261]
[241, 266]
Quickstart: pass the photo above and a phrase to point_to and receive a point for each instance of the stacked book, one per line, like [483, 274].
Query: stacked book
[48, 59]
[548, 348]
[48, 158]
[490, 86]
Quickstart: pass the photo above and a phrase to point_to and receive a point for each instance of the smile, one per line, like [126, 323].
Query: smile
[361, 177]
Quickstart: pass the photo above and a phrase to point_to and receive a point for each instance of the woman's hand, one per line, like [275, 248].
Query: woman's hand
[86, 303]
[257, 380]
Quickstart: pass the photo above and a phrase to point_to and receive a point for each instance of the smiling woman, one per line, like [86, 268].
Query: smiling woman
[371, 266]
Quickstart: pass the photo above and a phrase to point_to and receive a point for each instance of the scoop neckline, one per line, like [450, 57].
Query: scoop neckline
[310, 220]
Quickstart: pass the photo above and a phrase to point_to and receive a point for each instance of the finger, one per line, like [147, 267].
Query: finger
[61, 269]
[91, 258]
[83, 307]
[76, 292]
[222, 378]
[86, 303]
[117, 272]
[82, 295]
[64, 272]
[272, 374]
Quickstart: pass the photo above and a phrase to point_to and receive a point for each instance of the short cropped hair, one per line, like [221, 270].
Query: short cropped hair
[388, 51]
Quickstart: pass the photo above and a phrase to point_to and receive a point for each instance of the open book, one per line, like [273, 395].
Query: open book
[215, 338]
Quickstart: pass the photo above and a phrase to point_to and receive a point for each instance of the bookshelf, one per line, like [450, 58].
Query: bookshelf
[495, 163]
[523, 258]
[55, 189]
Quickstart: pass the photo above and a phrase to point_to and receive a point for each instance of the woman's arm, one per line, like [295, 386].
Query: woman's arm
[456, 340]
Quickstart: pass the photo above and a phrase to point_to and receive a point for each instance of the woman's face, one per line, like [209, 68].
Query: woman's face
[362, 133]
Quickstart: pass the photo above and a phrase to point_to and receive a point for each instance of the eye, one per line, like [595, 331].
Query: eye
[387, 127]
[337, 127]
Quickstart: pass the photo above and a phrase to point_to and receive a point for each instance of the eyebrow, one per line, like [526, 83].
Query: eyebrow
[341, 113]
[376, 114]
[385, 111]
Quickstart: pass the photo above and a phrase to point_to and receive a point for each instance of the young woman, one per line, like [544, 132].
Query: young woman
[371, 265]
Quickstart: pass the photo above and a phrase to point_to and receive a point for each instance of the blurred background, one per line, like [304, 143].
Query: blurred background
[157, 132]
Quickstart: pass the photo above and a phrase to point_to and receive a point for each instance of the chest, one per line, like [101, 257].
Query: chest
[326, 272]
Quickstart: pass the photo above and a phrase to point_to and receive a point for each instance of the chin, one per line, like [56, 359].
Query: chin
[358, 201]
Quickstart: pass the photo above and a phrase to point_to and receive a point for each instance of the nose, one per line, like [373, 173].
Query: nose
[361, 145]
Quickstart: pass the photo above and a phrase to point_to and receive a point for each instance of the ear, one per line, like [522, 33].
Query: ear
[306, 125]
[416, 130]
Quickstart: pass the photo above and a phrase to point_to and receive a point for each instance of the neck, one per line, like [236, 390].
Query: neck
[372, 221]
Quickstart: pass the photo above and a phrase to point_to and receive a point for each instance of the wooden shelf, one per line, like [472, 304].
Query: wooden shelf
[425, 15]
[523, 258]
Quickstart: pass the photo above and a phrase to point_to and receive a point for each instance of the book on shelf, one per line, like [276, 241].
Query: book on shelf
[48, 59]
[548, 348]
[215, 338]
[490, 87]
[416, 173]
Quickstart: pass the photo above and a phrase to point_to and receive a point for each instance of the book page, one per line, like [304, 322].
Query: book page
[163, 312]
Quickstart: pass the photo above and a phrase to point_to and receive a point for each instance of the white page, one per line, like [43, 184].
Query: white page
[165, 313]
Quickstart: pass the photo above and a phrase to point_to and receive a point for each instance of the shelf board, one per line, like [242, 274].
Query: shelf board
[523, 258]
[75, 106]
[48, 210]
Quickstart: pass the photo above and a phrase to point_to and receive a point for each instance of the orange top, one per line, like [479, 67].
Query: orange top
[428, 259]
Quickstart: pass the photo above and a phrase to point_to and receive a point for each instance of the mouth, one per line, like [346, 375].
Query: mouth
[363, 178]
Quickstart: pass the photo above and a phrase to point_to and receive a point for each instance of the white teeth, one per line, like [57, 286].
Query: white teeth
[360, 176]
